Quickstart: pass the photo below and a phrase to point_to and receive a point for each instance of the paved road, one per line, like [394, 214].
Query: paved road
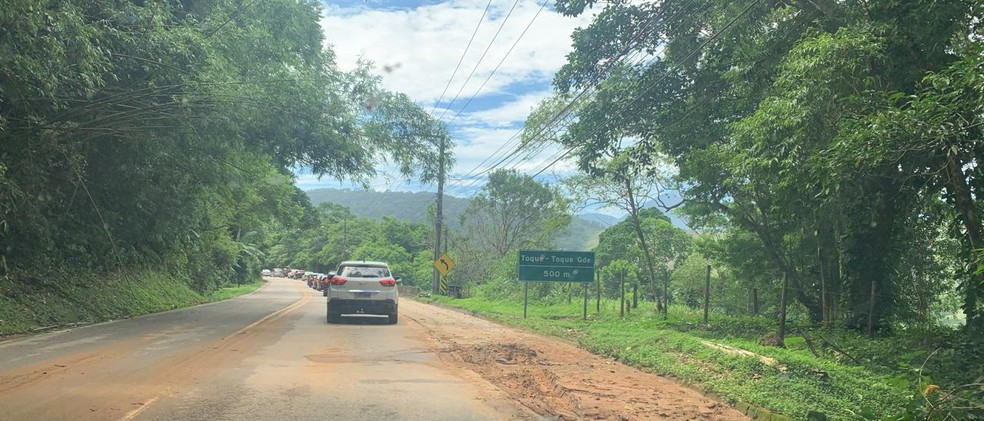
[266, 356]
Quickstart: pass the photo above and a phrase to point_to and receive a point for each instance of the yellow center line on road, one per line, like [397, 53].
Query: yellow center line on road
[306, 298]
[143, 407]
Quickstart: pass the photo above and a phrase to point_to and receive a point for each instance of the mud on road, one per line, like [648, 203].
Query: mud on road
[557, 379]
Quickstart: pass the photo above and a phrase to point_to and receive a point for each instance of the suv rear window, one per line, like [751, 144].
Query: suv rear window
[365, 272]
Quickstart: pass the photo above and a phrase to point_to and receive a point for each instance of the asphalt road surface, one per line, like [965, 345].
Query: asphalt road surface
[269, 355]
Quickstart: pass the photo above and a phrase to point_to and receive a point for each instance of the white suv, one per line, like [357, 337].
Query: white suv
[360, 288]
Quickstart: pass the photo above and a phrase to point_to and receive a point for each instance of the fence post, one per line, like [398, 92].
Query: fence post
[755, 301]
[584, 316]
[598, 291]
[871, 312]
[782, 311]
[707, 293]
[666, 294]
[621, 280]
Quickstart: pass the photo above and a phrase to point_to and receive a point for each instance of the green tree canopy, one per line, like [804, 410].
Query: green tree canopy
[829, 131]
[514, 211]
[149, 133]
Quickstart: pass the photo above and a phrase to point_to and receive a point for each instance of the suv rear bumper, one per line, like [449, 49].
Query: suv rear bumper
[341, 306]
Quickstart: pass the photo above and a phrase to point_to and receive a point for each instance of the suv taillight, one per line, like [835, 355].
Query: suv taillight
[388, 282]
[338, 280]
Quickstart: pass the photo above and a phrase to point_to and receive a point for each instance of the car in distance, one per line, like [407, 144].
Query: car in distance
[362, 288]
[324, 282]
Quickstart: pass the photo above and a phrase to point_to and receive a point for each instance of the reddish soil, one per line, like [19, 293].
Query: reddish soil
[557, 379]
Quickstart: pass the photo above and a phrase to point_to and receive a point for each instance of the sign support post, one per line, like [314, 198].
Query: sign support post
[526, 296]
[584, 315]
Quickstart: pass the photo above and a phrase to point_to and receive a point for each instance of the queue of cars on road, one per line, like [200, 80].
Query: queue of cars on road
[358, 288]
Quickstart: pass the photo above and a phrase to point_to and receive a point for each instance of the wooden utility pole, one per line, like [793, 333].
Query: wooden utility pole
[439, 217]
[446, 239]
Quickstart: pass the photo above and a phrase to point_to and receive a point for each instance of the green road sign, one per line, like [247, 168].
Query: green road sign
[556, 266]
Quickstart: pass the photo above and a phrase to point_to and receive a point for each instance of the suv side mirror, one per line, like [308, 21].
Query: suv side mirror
[398, 279]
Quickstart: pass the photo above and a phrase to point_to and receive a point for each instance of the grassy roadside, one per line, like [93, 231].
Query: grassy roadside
[720, 359]
[234, 291]
[90, 298]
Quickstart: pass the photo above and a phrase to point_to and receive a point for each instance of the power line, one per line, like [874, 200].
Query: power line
[463, 107]
[510, 157]
[597, 80]
[467, 47]
[566, 110]
[479, 62]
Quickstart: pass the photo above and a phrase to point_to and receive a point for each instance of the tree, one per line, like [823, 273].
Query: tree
[513, 211]
[669, 247]
[163, 133]
[781, 117]
[932, 135]
[621, 182]
[394, 128]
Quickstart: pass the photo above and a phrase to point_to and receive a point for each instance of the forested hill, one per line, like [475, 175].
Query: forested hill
[582, 234]
[404, 206]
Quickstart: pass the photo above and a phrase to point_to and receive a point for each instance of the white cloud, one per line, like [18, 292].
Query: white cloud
[417, 49]
[509, 113]
[423, 45]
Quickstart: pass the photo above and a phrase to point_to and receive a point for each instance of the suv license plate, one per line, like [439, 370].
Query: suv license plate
[363, 294]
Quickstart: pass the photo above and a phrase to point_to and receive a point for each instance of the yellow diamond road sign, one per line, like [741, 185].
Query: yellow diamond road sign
[444, 264]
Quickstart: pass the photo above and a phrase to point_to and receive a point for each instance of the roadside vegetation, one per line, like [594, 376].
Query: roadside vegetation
[147, 153]
[826, 156]
[828, 152]
[73, 299]
[846, 376]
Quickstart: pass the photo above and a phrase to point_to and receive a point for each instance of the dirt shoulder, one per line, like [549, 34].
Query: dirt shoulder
[555, 378]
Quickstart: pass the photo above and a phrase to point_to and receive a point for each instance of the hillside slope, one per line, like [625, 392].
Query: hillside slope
[582, 234]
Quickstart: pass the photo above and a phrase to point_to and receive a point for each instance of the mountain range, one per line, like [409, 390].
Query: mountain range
[581, 234]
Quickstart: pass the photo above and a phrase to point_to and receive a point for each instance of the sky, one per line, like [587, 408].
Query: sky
[416, 46]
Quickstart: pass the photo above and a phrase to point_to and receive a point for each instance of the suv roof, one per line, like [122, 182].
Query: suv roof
[362, 263]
